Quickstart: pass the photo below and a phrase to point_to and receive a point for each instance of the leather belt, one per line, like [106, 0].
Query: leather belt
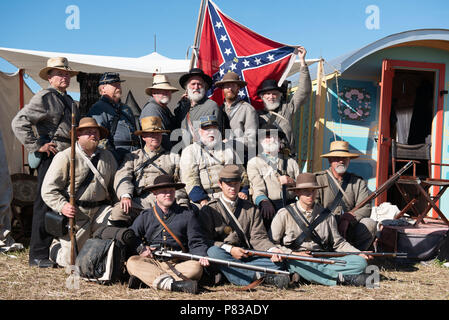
[61, 139]
[91, 204]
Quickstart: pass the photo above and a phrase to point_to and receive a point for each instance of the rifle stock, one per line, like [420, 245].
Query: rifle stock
[294, 257]
[188, 256]
[383, 187]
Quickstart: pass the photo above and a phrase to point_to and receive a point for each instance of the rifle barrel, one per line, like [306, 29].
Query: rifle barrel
[188, 256]
[374, 254]
[295, 257]
[72, 187]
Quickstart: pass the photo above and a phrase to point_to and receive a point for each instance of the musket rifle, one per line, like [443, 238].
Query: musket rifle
[72, 187]
[385, 186]
[187, 256]
[294, 257]
[374, 254]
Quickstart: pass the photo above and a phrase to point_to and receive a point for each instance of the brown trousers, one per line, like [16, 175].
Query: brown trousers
[148, 269]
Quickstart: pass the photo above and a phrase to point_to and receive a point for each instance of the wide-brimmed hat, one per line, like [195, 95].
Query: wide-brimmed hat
[88, 122]
[110, 77]
[231, 77]
[60, 63]
[160, 81]
[151, 124]
[164, 181]
[340, 149]
[230, 173]
[267, 85]
[306, 181]
[192, 73]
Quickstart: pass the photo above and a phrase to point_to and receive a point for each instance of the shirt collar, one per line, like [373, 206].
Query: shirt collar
[81, 149]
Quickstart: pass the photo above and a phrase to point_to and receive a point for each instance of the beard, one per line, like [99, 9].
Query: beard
[272, 105]
[206, 138]
[196, 94]
[270, 147]
[340, 169]
[165, 100]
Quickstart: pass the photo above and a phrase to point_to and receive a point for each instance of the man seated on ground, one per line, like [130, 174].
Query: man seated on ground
[180, 231]
[270, 173]
[94, 174]
[290, 228]
[231, 226]
[343, 191]
[139, 169]
[202, 161]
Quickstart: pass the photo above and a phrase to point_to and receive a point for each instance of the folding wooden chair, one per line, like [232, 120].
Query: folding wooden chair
[417, 154]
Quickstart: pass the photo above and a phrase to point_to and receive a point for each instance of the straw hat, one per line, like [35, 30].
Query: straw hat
[160, 81]
[88, 122]
[306, 181]
[230, 77]
[164, 181]
[340, 149]
[60, 63]
[151, 124]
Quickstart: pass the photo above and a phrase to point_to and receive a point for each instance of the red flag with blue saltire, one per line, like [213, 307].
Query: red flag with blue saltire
[226, 45]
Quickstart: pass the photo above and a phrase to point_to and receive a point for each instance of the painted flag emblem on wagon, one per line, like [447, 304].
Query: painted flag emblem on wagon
[226, 45]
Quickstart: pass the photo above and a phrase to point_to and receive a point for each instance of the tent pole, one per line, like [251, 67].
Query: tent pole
[22, 104]
[197, 33]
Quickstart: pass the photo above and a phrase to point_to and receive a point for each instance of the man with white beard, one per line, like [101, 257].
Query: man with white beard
[202, 161]
[195, 104]
[343, 192]
[280, 113]
[157, 106]
[269, 172]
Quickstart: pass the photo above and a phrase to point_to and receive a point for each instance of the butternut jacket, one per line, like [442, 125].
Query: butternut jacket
[214, 220]
[200, 168]
[284, 231]
[356, 191]
[264, 174]
[244, 122]
[132, 182]
[56, 184]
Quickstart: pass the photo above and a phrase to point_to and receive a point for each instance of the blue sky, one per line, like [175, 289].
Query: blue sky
[118, 28]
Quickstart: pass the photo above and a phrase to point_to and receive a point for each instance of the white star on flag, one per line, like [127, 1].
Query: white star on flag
[228, 51]
[241, 94]
[224, 38]
[257, 61]
[218, 25]
[221, 72]
[246, 63]
[233, 66]
[270, 57]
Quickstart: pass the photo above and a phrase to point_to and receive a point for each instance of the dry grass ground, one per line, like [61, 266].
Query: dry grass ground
[18, 281]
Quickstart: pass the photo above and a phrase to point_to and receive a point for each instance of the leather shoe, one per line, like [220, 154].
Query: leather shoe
[280, 281]
[136, 283]
[42, 263]
[189, 286]
[357, 280]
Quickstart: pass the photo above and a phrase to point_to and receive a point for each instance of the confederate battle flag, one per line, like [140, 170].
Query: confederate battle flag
[226, 45]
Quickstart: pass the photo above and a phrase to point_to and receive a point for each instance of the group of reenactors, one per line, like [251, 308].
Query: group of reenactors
[225, 184]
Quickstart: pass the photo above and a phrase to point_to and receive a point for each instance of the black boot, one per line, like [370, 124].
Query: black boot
[280, 281]
[188, 286]
[357, 280]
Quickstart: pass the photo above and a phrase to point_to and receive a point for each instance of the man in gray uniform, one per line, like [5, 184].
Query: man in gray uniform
[157, 106]
[50, 112]
[138, 171]
[94, 173]
[282, 114]
[202, 161]
[243, 118]
[195, 104]
[118, 118]
[344, 190]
